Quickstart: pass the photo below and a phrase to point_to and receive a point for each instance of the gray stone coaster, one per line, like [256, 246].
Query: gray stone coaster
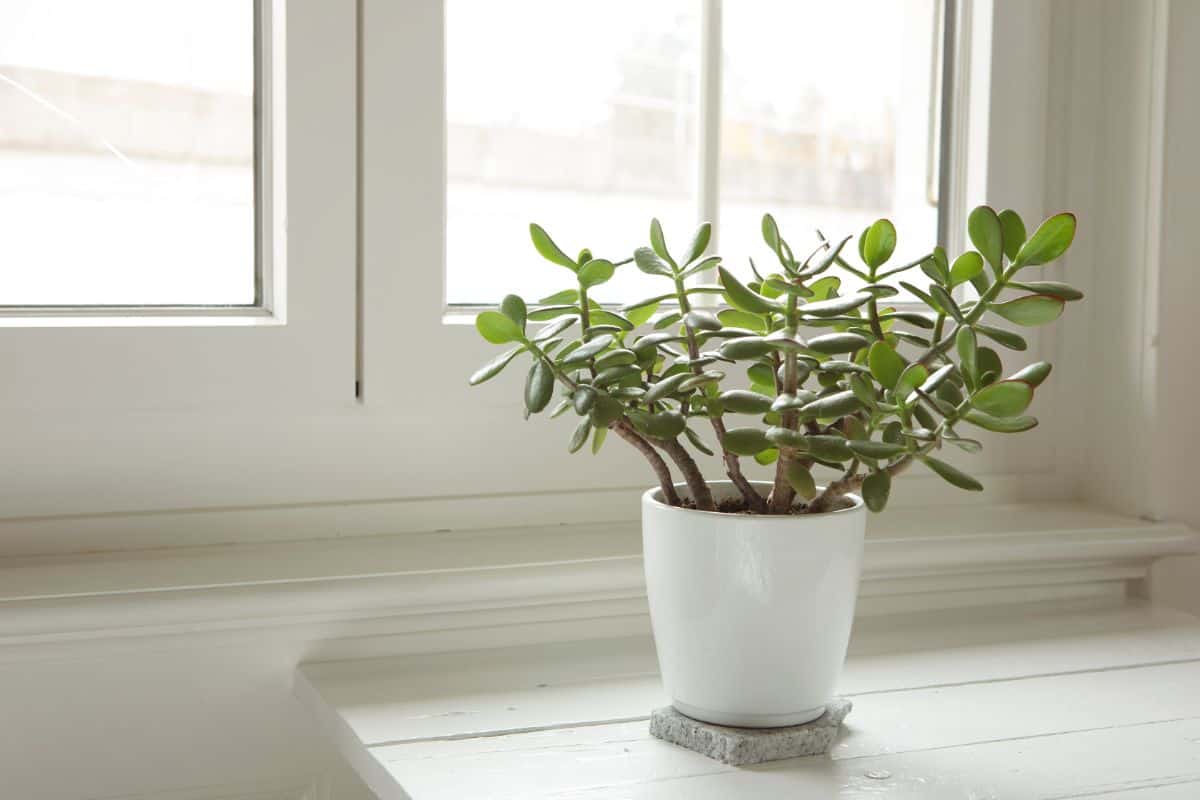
[741, 746]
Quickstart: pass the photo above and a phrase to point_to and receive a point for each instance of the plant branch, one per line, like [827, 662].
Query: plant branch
[850, 482]
[661, 470]
[692, 476]
[782, 494]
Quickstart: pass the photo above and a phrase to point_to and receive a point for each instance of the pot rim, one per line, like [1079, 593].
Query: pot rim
[654, 495]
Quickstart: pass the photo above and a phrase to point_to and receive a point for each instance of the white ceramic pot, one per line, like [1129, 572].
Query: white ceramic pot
[751, 614]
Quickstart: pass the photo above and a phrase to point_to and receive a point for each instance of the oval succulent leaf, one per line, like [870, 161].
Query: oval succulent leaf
[606, 411]
[548, 249]
[999, 424]
[746, 347]
[938, 377]
[875, 490]
[1052, 288]
[580, 436]
[1034, 374]
[986, 232]
[702, 320]
[1013, 229]
[1012, 341]
[699, 242]
[836, 306]
[801, 480]
[539, 386]
[497, 328]
[494, 367]
[770, 232]
[741, 298]
[742, 319]
[746, 441]
[967, 347]
[596, 272]
[559, 298]
[589, 349]
[953, 475]
[828, 447]
[664, 387]
[551, 312]
[878, 243]
[966, 267]
[1049, 241]
[873, 449]
[513, 307]
[913, 376]
[786, 437]
[838, 404]
[885, 364]
[664, 424]
[740, 401]
[835, 343]
[659, 242]
[649, 262]
[1031, 310]
[1004, 399]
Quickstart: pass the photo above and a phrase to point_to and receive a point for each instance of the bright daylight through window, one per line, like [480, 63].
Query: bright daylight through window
[127, 146]
[592, 133]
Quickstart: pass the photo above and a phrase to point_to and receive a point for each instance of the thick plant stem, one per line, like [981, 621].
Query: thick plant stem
[661, 470]
[701, 494]
[733, 467]
[782, 493]
[825, 500]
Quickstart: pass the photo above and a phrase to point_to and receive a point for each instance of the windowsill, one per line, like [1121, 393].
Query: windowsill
[1054, 700]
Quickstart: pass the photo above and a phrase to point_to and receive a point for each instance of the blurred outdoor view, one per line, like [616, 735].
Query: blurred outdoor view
[584, 118]
[127, 152]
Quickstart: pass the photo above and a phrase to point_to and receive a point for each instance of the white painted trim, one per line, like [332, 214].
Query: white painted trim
[462, 589]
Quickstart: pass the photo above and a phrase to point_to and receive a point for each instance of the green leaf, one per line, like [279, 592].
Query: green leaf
[699, 243]
[649, 301]
[583, 398]
[667, 320]
[937, 266]
[697, 442]
[513, 307]
[589, 349]
[612, 375]
[1049, 241]
[1034, 374]
[548, 249]
[968, 350]
[601, 316]
[740, 401]
[885, 363]
[598, 437]
[1014, 232]
[1031, 310]
[642, 314]
[605, 411]
[770, 232]
[838, 404]
[551, 312]
[742, 319]
[999, 424]
[835, 343]
[663, 425]
[746, 441]
[801, 480]
[913, 376]
[1003, 399]
[559, 298]
[952, 474]
[836, 306]
[742, 298]
[1052, 288]
[878, 243]
[616, 358]
[945, 301]
[827, 447]
[873, 449]
[986, 232]
[875, 490]
[539, 386]
[648, 262]
[596, 272]
[659, 242]
[938, 377]
[966, 267]
[497, 328]
[579, 436]
[702, 320]
[786, 437]
[1009, 339]
[494, 367]
[766, 457]
[746, 347]
[664, 387]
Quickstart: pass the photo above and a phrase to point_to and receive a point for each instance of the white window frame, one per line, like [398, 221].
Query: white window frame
[296, 348]
[418, 450]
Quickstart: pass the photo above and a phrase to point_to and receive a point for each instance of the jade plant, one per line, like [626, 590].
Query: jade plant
[833, 376]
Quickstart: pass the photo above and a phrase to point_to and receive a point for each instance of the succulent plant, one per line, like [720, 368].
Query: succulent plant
[831, 378]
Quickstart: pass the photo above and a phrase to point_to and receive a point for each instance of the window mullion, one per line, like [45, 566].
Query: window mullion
[708, 183]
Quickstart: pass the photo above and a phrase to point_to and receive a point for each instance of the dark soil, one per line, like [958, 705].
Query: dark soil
[737, 505]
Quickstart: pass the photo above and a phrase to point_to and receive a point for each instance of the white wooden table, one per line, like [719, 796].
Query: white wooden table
[1085, 701]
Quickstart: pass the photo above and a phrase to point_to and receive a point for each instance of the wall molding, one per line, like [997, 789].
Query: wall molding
[431, 591]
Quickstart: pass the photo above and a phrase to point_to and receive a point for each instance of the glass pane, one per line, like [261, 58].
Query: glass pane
[127, 152]
[580, 117]
[829, 129]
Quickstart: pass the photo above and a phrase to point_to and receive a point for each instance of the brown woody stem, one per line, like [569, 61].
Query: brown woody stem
[849, 483]
[661, 470]
[701, 494]
[782, 493]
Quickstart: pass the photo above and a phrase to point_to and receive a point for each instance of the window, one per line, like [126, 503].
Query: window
[128, 148]
[591, 120]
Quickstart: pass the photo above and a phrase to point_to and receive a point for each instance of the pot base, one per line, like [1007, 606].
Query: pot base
[742, 746]
[749, 720]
